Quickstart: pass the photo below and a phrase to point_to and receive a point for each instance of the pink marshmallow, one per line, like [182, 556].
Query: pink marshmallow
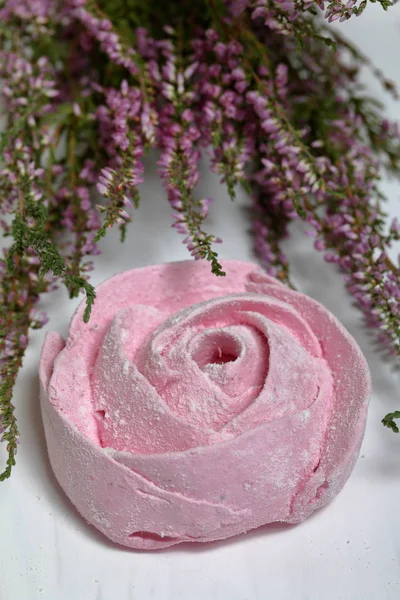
[195, 408]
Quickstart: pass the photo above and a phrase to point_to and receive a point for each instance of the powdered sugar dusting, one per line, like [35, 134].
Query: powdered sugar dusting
[195, 409]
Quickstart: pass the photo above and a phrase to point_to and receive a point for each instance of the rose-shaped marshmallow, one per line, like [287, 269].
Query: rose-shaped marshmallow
[195, 408]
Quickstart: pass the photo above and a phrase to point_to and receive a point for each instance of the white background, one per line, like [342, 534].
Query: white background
[348, 551]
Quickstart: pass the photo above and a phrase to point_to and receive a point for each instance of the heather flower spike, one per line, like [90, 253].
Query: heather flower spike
[248, 83]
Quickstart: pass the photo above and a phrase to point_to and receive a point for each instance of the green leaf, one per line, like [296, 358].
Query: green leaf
[388, 421]
[299, 209]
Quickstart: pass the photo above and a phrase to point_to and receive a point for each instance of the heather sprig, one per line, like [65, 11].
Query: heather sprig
[19, 294]
[101, 29]
[177, 137]
[125, 128]
[222, 111]
[278, 14]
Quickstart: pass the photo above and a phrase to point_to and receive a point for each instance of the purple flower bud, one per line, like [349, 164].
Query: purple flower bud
[101, 188]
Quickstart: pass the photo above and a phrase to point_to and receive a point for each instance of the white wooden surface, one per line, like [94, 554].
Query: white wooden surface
[348, 551]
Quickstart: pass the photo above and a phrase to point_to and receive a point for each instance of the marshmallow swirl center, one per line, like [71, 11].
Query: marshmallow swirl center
[204, 375]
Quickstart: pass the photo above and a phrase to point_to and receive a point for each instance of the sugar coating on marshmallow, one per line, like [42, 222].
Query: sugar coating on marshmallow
[195, 408]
